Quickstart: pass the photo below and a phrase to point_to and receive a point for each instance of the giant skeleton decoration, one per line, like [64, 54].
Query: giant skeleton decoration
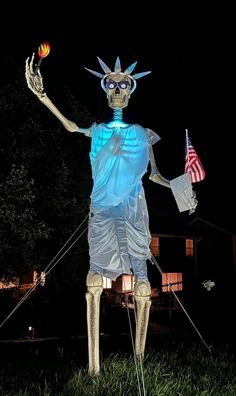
[118, 233]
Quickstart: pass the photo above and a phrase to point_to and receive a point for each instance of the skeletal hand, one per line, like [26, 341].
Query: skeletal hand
[194, 202]
[159, 179]
[34, 80]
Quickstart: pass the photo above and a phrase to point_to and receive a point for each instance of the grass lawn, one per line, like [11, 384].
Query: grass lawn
[170, 368]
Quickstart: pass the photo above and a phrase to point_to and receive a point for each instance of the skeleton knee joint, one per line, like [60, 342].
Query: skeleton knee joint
[142, 288]
[94, 282]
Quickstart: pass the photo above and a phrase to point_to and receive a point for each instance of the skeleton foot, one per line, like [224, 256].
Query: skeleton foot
[94, 290]
[142, 292]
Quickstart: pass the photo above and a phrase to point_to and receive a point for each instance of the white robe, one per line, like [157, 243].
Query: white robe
[118, 223]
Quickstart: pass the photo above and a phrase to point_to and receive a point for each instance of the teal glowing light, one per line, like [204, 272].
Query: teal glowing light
[117, 124]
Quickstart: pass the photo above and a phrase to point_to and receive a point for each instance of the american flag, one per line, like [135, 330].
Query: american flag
[193, 165]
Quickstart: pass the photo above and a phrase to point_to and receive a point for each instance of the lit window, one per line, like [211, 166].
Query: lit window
[175, 279]
[189, 247]
[127, 283]
[107, 283]
[155, 246]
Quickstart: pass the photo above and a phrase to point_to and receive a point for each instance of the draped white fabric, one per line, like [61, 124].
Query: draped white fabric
[118, 224]
[119, 158]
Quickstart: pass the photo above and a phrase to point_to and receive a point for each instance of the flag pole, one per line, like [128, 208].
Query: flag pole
[187, 152]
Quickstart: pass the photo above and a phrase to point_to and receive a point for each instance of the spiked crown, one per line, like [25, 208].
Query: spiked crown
[117, 70]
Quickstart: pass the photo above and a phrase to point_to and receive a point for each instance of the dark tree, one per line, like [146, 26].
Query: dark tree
[45, 184]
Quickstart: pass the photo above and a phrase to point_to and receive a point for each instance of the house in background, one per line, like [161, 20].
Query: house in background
[18, 287]
[190, 257]
[216, 260]
[173, 246]
[216, 253]
[187, 256]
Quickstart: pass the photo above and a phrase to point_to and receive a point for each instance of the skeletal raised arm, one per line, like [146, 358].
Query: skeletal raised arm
[35, 84]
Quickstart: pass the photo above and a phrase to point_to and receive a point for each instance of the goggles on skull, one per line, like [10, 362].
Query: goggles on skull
[114, 84]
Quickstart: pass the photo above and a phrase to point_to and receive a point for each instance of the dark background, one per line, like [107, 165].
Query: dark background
[191, 55]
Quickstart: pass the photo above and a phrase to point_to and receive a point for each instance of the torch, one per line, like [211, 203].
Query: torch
[43, 51]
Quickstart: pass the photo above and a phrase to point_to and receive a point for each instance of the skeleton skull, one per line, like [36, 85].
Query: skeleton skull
[118, 88]
[118, 85]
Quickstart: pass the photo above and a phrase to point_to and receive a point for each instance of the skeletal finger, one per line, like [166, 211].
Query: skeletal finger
[32, 63]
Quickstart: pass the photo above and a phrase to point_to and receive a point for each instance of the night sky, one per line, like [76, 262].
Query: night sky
[191, 86]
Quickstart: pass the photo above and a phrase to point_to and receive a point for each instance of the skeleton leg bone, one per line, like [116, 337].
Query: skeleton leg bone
[94, 290]
[142, 292]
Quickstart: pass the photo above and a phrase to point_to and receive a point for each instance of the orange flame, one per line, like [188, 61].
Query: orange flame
[44, 49]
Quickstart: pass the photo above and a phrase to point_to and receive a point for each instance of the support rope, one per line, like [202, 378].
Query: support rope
[154, 261]
[133, 347]
[47, 270]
